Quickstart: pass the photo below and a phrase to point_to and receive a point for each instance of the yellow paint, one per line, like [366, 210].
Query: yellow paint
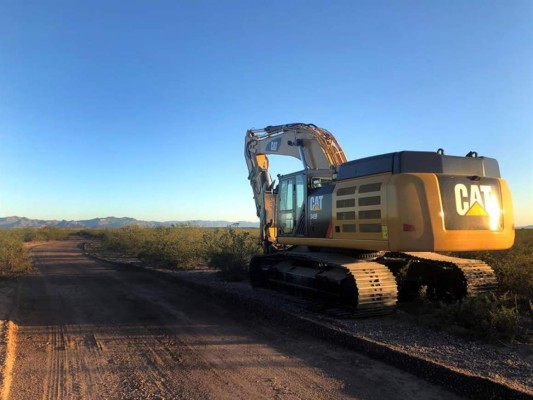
[262, 161]
[476, 211]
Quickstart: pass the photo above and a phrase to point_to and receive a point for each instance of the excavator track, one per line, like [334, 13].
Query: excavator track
[366, 287]
[457, 277]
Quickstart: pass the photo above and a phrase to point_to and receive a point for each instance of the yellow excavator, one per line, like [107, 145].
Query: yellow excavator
[360, 233]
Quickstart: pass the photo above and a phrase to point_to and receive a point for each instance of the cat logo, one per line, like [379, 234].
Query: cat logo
[315, 203]
[274, 145]
[475, 201]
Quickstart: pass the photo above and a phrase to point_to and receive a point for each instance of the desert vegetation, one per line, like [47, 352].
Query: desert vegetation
[230, 250]
[186, 247]
[14, 254]
[503, 316]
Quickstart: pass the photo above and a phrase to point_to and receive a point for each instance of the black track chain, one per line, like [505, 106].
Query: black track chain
[479, 276]
[376, 285]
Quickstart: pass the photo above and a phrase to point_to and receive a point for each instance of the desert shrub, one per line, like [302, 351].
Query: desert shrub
[92, 233]
[489, 316]
[178, 246]
[129, 239]
[513, 267]
[187, 246]
[44, 234]
[230, 250]
[11, 234]
[37, 234]
[505, 315]
[14, 257]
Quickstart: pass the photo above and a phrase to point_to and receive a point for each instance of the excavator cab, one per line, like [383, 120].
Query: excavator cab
[300, 196]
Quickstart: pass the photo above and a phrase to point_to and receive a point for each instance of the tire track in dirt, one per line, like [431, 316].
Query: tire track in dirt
[80, 358]
[55, 364]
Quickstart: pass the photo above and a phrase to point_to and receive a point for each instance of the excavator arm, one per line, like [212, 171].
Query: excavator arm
[316, 147]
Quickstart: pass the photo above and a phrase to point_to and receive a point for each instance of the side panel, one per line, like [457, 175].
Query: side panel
[417, 212]
[488, 224]
[414, 211]
[428, 212]
[360, 209]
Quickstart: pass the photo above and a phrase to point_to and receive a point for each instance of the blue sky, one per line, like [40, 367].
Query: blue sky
[139, 108]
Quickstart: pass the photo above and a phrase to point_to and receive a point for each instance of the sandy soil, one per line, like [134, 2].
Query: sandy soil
[85, 329]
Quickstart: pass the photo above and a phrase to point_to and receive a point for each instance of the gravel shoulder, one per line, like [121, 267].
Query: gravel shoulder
[472, 368]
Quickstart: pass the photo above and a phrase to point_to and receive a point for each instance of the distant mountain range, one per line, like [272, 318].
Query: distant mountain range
[112, 222]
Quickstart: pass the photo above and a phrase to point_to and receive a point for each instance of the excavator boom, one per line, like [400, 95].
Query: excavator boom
[315, 147]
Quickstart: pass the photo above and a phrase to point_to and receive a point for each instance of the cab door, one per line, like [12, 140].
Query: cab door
[291, 210]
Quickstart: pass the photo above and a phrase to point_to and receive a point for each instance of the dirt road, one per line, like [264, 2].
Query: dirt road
[85, 329]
